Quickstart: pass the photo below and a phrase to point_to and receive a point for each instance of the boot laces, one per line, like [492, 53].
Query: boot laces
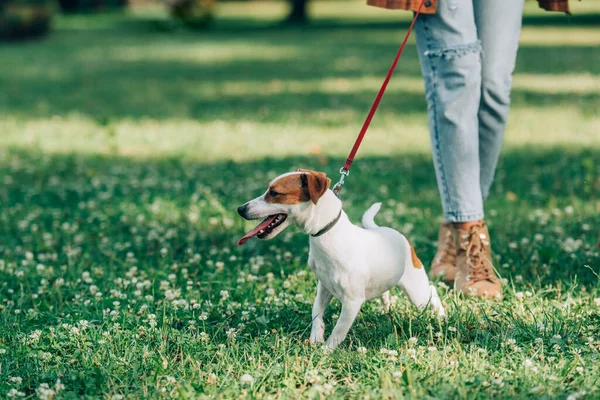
[480, 268]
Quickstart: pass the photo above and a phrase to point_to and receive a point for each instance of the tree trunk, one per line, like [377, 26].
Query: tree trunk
[298, 13]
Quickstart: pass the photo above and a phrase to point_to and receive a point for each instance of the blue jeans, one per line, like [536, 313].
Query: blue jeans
[467, 52]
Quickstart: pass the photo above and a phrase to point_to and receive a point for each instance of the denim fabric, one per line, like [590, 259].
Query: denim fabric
[467, 52]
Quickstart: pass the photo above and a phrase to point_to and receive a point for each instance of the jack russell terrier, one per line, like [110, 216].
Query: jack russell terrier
[353, 264]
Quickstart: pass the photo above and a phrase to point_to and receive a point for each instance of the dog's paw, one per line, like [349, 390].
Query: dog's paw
[332, 343]
[317, 335]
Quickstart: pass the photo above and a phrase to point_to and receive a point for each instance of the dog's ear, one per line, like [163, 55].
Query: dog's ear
[315, 182]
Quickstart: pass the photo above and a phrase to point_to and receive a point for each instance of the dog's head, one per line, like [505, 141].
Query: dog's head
[286, 199]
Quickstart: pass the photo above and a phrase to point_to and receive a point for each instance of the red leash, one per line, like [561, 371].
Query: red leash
[345, 170]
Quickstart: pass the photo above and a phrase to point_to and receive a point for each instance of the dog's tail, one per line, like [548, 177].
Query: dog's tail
[369, 216]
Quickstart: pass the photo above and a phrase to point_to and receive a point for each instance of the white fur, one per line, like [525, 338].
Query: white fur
[353, 264]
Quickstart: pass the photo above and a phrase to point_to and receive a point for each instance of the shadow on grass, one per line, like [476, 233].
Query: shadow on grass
[121, 73]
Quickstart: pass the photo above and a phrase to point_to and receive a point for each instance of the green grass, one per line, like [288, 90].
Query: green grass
[124, 153]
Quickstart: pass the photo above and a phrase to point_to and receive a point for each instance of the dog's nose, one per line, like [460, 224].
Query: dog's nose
[242, 209]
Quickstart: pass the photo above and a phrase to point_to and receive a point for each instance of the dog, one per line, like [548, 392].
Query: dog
[353, 264]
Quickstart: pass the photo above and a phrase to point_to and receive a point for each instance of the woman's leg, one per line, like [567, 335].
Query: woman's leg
[498, 28]
[450, 56]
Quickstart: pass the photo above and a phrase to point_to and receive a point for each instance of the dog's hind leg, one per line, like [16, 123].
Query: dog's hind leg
[387, 304]
[416, 285]
[317, 333]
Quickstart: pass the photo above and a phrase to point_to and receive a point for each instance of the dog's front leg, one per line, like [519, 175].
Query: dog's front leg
[324, 296]
[349, 312]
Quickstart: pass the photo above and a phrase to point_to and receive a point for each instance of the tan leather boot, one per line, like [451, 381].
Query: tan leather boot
[444, 263]
[475, 272]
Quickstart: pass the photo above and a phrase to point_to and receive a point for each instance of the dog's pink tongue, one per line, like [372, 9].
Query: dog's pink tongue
[255, 231]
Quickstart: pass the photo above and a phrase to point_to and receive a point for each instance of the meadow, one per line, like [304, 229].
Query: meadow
[125, 151]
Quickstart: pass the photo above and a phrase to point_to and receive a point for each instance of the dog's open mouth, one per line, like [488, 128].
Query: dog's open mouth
[263, 229]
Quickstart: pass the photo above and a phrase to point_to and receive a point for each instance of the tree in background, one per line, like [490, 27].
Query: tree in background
[74, 6]
[298, 13]
[25, 18]
[193, 13]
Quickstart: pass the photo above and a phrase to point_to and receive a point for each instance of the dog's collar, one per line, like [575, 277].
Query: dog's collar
[328, 227]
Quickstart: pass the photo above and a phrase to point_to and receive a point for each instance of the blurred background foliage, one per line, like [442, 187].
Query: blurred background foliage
[21, 19]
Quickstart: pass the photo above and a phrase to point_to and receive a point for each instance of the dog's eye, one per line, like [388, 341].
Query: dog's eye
[272, 193]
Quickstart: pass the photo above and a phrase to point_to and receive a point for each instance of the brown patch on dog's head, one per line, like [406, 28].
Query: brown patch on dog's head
[316, 183]
[289, 189]
[298, 188]
[413, 255]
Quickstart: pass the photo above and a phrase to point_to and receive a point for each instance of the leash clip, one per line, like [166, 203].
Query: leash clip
[338, 186]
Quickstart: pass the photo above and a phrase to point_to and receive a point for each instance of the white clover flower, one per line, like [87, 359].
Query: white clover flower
[34, 336]
[569, 209]
[576, 395]
[270, 291]
[539, 340]
[538, 237]
[397, 376]
[14, 393]
[246, 379]
[212, 379]
[597, 301]
[313, 377]
[204, 337]
[452, 329]
[171, 380]
[412, 341]
[17, 380]
[224, 294]
[361, 350]
[519, 295]
[86, 277]
[172, 294]
[432, 348]
[44, 392]
[231, 333]
[571, 245]
[443, 285]
[527, 363]
[512, 341]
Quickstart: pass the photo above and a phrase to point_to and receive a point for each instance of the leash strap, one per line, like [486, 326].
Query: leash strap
[345, 170]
